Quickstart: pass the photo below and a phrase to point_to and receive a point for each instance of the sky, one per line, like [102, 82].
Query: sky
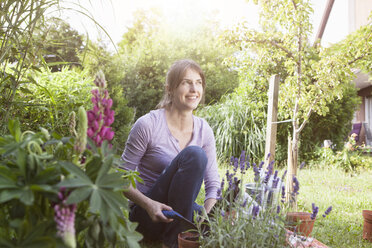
[115, 16]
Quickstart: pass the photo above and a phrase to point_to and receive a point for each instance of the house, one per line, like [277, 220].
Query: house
[359, 11]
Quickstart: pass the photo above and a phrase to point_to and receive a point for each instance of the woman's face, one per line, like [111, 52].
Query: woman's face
[189, 92]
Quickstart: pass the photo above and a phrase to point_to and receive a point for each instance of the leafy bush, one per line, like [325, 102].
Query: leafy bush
[148, 49]
[50, 97]
[238, 122]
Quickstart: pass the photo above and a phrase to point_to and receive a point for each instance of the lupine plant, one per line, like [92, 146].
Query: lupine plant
[64, 191]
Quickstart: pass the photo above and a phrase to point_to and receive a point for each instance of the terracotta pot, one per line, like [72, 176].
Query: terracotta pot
[188, 240]
[367, 226]
[300, 222]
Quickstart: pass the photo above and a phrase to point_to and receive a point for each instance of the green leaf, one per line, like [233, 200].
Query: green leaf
[74, 183]
[22, 160]
[27, 196]
[93, 166]
[14, 128]
[79, 195]
[7, 195]
[43, 188]
[96, 202]
[75, 170]
[114, 200]
[112, 181]
[105, 167]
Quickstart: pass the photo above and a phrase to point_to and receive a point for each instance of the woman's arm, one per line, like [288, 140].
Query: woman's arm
[209, 203]
[153, 208]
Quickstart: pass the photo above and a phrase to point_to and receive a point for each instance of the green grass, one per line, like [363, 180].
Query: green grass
[348, 194]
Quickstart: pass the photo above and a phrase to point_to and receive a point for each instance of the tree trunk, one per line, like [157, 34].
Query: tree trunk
[291, 171]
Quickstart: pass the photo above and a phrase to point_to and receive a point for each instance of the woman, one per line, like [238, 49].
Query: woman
[173, 151]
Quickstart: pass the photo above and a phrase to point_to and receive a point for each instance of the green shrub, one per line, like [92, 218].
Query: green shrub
[50, 97]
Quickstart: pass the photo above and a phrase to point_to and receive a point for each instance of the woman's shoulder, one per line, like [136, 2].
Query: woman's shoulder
[203, 126]
[151, 118]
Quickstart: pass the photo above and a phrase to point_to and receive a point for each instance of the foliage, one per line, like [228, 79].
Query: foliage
[50, 97]
[350, 158]
[312, 77]
[238, 121]
[34, 167]
[335, 126]
[18, 20]
[60, 43]
[149, 48]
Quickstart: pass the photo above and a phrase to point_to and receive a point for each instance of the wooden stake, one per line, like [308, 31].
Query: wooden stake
[272, 117]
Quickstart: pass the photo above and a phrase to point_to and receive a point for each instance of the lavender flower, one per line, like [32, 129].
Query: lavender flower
[302, 165]
[278, 209]
[64, 216]
[256, 173]
[219, 194]
[329, 209]
[275, 174]
[296, 186]
[275, 183]
[255, 211]
[232, 159]
[284, 174]
[268, 172]
[244, 203]
[261, 164]
[101, 116]
[268, 156]
[315, 211]
[283, 194]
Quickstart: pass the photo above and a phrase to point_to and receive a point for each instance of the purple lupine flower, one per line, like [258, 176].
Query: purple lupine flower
[101, 116]
[283, 194]
[302, 165]
[255, 211]
[315, 211]
[329, 209]
[64, 216]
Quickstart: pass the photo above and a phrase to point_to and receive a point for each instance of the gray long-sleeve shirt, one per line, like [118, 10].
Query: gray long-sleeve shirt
[151, 147]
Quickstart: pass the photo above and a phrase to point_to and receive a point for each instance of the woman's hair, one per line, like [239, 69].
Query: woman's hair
[174, 77]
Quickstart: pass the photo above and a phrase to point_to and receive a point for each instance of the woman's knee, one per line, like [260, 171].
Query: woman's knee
[196, 156]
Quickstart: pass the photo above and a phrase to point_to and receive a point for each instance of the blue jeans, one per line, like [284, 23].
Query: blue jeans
[177, 186]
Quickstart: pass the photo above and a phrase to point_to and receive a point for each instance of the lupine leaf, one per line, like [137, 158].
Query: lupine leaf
[79, 195]
[75, 170]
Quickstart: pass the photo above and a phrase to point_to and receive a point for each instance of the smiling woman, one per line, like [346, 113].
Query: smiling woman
[174, 151]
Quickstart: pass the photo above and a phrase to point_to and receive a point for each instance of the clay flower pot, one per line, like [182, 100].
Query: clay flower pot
[367, 226]
[188, 240]
[300, 222]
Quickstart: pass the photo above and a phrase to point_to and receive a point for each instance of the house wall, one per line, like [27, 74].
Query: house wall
[359, 11]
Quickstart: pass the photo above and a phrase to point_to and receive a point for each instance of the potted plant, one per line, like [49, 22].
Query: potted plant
[367, 225]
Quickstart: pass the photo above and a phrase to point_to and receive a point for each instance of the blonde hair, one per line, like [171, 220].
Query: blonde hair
[175, 76]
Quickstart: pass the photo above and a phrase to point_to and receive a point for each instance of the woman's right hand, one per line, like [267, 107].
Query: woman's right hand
[154, 210]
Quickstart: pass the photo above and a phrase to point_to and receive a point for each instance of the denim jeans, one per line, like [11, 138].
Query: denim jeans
[177, 186]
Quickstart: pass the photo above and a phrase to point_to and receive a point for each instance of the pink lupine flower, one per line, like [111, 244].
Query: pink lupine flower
[101, 116]
[64, 216]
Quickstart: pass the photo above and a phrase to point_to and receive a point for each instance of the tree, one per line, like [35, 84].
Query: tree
[151, 45]
[61, 43]
[311, 76]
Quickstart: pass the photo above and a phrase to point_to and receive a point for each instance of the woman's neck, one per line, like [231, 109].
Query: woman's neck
[181, 120]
